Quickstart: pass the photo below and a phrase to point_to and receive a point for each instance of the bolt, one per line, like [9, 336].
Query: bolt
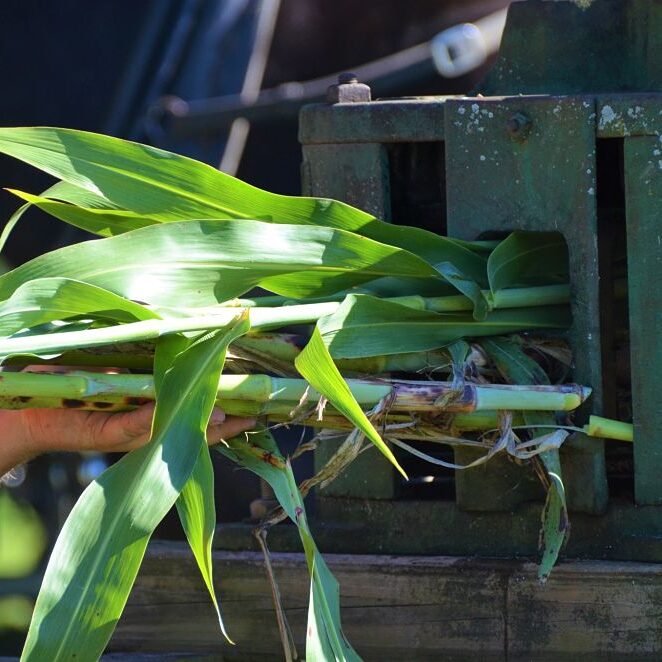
[519, 126]
[348, 90]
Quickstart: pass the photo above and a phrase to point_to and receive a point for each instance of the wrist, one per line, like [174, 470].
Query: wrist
[17, 444]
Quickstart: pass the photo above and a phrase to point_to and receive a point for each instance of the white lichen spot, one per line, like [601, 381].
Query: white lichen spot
[474, 108]
[659, 164]
[461, 110]
[656, 152]
[635, 112]
[588, 171]
[586, 104]
[591, 191]
[482, 157]
[490, 114]
[607, 116]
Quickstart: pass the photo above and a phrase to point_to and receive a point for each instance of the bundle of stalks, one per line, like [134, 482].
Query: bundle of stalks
[348, 304]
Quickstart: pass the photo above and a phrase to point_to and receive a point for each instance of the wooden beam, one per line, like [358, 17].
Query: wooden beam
[398, 608]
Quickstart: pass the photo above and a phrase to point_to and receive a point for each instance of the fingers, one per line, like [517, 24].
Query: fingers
[106, 432]
[231, 427]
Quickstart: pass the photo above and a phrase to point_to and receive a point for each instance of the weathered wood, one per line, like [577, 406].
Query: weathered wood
[643, 200]
[591, 609]
[402, 608]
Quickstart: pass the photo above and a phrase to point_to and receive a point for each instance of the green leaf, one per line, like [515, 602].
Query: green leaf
[527, 258]
[365, 326]
[48, 299]
[199, 263]
[11, 224]
[61, 191]
[470, 288]
[325, 639]
[99, 550]
[316, 366]
[515, 365]
[555, 523]
[518, 368]
[159, 184]
[196, 502]
[111, 222]
[101, 221]
[197, 514]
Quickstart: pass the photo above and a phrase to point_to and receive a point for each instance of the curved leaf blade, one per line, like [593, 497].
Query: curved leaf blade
[316, 366]
[526, 256]
[100, 221]
[99, 550]
[200, 263]
[365, 326]
[45, 300]
[163, 185]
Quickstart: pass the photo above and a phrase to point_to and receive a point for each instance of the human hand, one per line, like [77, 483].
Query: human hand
[30, 432]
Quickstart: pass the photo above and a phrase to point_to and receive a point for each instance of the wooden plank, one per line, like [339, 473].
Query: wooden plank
[643, 198]
[591, 610]
[402, 608]
[388, 121]
[539, 177]
[391, 606]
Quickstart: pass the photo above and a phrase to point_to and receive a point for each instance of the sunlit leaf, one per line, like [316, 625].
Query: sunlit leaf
[166, 186]
[199, 263]
[316, 366]
[99, 550]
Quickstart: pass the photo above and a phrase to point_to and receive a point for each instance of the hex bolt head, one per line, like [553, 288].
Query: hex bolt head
[348, 90]
[519, 126]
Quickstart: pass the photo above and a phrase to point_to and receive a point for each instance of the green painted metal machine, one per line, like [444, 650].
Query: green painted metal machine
[564, 135]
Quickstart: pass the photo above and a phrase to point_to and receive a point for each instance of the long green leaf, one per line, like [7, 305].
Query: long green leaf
[111, 222]
[527, 258]
[60, 191]
[325, 639]
[197, 514]
[316, 366]
[199, 263]
[48, 299]
[152, 182]
[99, 550]
[195, 504]
[101, 221]
[365, 326]
[518, 368]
